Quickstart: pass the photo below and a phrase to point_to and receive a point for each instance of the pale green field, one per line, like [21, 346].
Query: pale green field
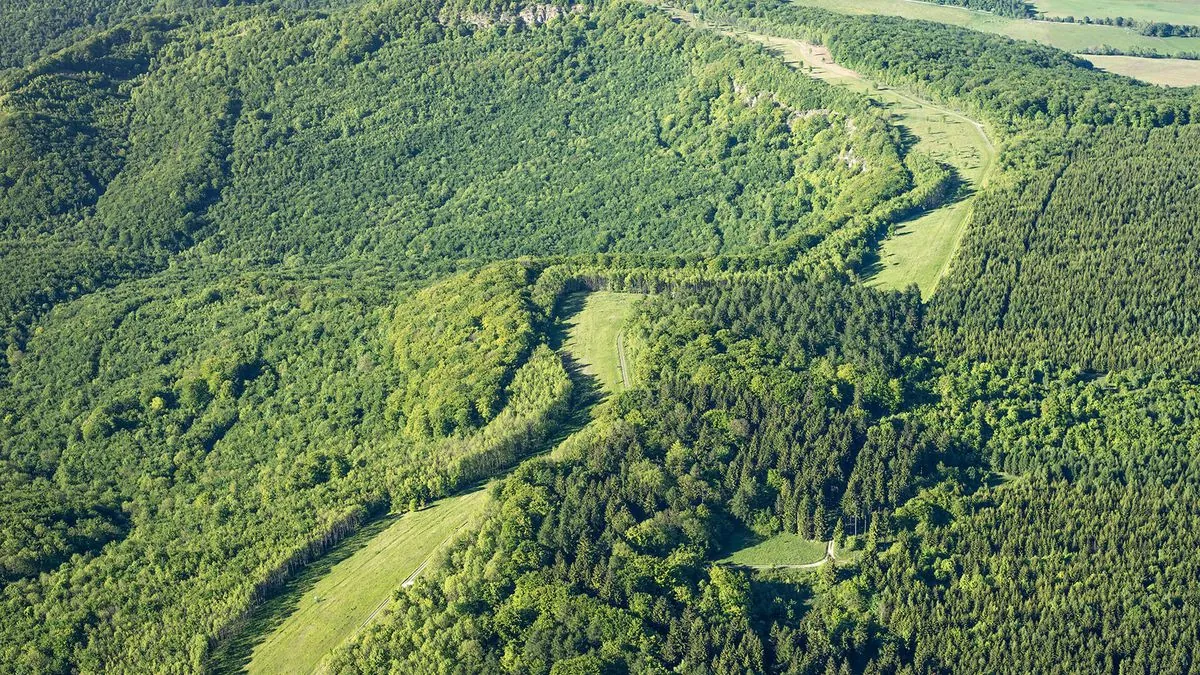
[346, 597]
[782, 549]
[1065, 36]
[593, 332]
[1167, 72]
[1185, 12]
[920, 252]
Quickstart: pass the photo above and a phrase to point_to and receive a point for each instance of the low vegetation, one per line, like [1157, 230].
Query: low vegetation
[593, 333]
[782, 549]
[356, 590]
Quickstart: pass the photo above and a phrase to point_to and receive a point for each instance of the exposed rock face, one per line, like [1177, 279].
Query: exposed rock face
[533, 15]
[794, 116]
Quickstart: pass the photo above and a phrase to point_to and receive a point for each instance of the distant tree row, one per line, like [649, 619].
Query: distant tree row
[1151, 28]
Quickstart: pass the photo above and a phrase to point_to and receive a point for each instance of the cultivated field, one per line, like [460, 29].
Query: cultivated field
[1167, 72]
[594, 335]
[347, 596]
[1065, 36]
[1166, 11]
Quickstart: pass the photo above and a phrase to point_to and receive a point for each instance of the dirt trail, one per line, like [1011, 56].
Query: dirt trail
[818, 58]
[625, 381]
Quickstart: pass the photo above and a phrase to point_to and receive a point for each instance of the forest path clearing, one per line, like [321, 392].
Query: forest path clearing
[921, 249]
[339, 595]
[830, 556]
[594, 323]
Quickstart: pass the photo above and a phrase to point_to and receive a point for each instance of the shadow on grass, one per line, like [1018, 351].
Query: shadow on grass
[588, 390]
[873, 264]
[737, 538]
[234, 654]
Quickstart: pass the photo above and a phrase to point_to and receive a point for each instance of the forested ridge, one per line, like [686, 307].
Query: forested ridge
[1069, 256]
[33, 28]
[242, 140]
[218, 362]
[270, 270]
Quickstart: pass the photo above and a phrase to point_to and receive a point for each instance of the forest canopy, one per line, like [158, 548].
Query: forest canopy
[269, 271]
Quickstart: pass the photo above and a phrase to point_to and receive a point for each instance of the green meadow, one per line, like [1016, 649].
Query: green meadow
[593, 334]
[352, 592]
[1066, 36]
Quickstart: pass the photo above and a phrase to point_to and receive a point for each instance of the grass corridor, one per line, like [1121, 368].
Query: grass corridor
[786, 549]
[339, 604]
[594, 324]
[921, 250]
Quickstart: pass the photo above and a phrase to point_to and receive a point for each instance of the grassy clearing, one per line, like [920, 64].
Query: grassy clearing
[594, 326]
[1166, 72]
[920, 252]
[1066, 36]
[346, 596]
[782, 549]
[1166, 11]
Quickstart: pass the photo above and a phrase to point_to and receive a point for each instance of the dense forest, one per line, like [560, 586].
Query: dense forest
[218, 362]
[241, 141]
[1050, 507]
[1012, 8]
[1022, 517]
[33, 28]
[270, 270]
[1080, 253]
[598, 562]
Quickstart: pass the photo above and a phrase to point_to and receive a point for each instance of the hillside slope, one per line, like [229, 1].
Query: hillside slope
[217, 363]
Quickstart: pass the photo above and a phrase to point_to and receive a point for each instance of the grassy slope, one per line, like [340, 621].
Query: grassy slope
[592, 334]
[1167, 72]
[1069, 37]
[921, 250]
[340, 603]
[1168, 11]
[782, 549]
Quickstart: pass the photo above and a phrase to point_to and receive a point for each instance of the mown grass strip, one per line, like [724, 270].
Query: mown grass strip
[341, 602]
